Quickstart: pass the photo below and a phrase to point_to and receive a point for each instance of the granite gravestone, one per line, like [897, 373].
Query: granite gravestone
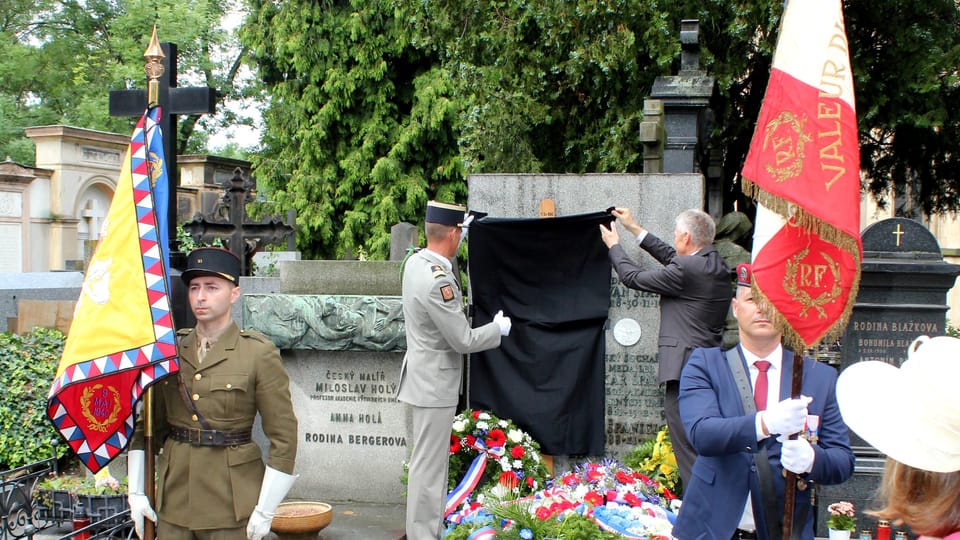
[339, 325]
[634, 400]
[903, 289]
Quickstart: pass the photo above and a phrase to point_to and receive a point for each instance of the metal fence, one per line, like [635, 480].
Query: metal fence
[23, 516]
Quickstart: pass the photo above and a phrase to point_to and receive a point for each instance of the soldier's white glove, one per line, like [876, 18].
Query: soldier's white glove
[786, 417]
[136, 498]
[503, 322]
[796, 455]
[274, 488]
[465, 227]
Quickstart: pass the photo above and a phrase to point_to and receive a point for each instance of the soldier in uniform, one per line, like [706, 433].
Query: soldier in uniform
[438, 333]
[211, 480]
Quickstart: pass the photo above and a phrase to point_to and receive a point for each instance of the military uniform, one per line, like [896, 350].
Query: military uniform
[438, 333]
[203, 487]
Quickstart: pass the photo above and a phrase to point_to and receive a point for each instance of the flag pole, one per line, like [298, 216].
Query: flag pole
[790, 487]
[154, 70]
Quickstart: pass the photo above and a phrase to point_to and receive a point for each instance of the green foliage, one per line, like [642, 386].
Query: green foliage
[59, 60]
[29, 364]
[655, 458]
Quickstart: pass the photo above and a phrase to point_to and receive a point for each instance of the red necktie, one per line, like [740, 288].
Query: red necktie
[760, 389]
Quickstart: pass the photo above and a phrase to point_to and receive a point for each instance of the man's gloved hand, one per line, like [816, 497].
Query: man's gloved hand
[786, 417]
[272, 491]
[797, 455]
[136, 498]
[465, 227]
[503, 322]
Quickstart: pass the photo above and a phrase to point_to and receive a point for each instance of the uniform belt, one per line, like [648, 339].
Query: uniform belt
[741, 534]
[210, 437]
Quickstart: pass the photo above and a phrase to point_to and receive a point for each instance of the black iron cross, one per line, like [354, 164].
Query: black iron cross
[173, 101]
[229, 223]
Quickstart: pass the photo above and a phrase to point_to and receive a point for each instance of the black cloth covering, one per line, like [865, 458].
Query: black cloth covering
[551, 276]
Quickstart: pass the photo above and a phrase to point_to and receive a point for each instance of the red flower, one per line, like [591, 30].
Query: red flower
[516, 452]
[544, 513]
[496, 437]
[454, 444]
[569, 480]
[624, 478]
[594, 498]
[529, 481]
[509, 479]
[470, 439]
[667, 494]
[593, 474]
[476, 414]
[631, 499]
[611, 494]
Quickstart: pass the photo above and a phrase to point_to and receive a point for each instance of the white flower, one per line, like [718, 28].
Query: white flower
[504, 463]
[459, 425]
[535, 456]
[483, 416]
[499, 491]
[515, 436]
[503, 423]
[482, 425]
[518, 464]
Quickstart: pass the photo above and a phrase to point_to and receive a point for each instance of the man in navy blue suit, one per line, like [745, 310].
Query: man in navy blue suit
[727, 496]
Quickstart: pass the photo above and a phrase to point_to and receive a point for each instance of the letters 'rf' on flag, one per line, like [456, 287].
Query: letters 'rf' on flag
[803, 168]
[122, 338]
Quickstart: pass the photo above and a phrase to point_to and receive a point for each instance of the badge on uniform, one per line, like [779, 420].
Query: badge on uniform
[438, 271]
[447, 293]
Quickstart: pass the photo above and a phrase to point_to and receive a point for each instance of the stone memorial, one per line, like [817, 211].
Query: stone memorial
[903, 290]
[634, 400]
[339, 325]
[41, 286]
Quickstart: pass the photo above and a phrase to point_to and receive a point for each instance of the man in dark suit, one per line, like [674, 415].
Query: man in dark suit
[734, 493]
[695, 290]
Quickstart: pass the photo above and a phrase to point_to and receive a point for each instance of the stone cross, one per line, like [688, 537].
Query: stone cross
[229, 223]
[173, 101]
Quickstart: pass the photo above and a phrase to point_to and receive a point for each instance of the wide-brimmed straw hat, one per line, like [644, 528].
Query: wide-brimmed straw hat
[910, 413]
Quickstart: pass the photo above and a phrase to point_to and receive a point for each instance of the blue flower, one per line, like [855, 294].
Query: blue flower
[526, 534]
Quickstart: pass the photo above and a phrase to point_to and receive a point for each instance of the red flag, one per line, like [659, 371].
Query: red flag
[121, 339]
[803, 168]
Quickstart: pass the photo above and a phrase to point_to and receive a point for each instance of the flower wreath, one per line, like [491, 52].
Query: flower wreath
[512, 456]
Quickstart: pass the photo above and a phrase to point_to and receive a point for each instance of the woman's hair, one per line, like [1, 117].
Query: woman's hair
[928, 502]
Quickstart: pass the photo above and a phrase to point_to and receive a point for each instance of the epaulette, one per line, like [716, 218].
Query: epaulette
[184, 331]
[254, 334]
[438, 271]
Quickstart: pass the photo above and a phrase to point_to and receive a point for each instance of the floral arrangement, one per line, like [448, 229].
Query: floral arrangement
[100, 484]
[655, 459]
[842, 516]
[594, 500]
[513, 458]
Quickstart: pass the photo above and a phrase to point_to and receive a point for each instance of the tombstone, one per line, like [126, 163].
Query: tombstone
[230, 223]
[339, 325]
[903, 289]
[40, 286]
[403, 236]
[634, 400]
[173, 101]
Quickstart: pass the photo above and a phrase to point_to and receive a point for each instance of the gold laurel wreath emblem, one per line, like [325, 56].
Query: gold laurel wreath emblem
[793, 145]
[85, 399]
[800, 295]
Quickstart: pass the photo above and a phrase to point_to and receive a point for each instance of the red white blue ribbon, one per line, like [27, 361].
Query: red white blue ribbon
[483, 533]
[470, 480]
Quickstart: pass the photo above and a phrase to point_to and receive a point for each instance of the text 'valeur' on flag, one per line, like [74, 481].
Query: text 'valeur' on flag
[803, 169]
[122, 338]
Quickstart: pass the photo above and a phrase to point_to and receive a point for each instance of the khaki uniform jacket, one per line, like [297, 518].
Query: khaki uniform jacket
[207, 487]
[438, 333]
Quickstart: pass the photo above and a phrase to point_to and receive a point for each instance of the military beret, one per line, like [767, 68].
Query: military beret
[744, 275]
